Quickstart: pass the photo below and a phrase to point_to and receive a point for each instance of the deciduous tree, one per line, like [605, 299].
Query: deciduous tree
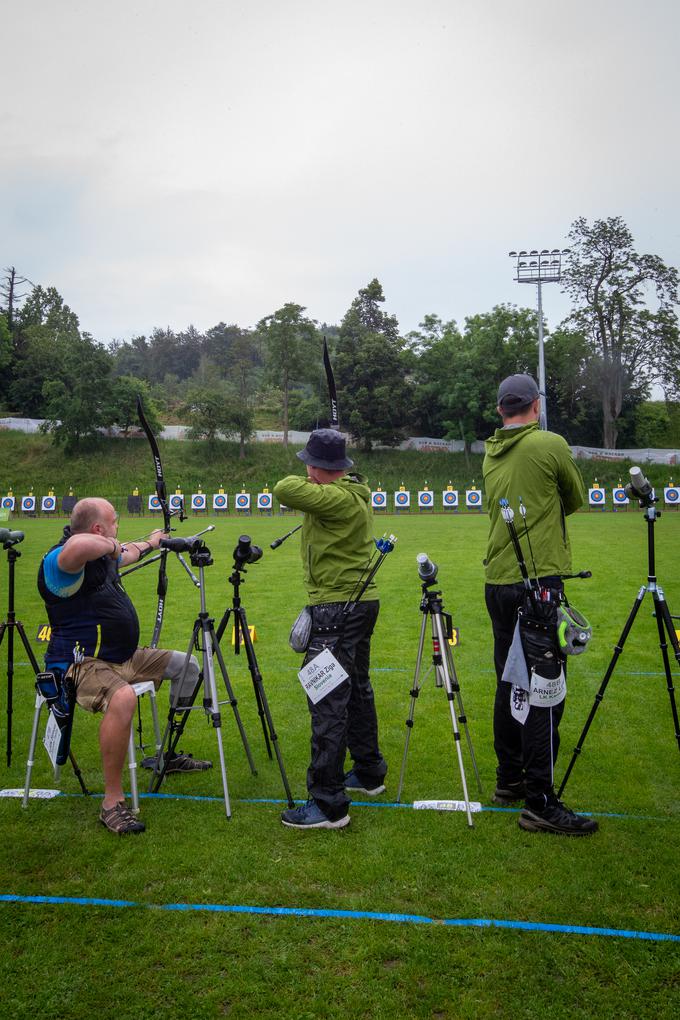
[370, 366]
[289, 341]
[624, 305]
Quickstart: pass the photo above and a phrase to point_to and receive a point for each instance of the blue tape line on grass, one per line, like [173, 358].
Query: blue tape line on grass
[364, 803]
[396, 804]
[354, 915]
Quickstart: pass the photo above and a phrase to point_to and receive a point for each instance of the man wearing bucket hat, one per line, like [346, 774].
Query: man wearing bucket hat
[524, 463]
[337, 542]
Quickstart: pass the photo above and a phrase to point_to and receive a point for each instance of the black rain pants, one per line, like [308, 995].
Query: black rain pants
[524, 752]
[346, 718]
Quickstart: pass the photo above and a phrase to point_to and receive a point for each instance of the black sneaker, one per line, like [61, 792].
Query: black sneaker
[555, 817]
[509, 793]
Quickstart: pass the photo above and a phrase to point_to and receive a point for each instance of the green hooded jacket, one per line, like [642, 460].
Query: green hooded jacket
[337, 534]
[538, 467]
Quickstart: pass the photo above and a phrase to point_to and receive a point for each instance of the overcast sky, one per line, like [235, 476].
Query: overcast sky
[166, 163]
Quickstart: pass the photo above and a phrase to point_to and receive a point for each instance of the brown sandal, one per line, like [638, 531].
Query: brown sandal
[120, 819]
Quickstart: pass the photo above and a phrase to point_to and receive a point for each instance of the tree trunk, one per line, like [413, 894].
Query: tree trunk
[609, 430]
[285, 409]
[612, 399]
[467, 445]
[10, 298]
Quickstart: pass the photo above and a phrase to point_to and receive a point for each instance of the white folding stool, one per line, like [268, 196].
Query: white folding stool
[140, 689]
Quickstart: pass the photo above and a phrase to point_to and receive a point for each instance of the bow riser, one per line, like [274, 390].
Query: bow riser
[332, 393]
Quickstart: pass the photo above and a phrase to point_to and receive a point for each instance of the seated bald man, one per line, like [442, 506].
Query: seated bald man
[80, 584]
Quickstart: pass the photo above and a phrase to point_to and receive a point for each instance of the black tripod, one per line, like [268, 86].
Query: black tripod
[247, 553]
[202, 640]
[641, 489]
[431, 607]
[10, 539]
[205, 640]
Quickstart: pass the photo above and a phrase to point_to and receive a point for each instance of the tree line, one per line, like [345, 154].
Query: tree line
[440, 380]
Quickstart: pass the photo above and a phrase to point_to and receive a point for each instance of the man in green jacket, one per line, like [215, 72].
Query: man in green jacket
[337, 542]
[525, 464]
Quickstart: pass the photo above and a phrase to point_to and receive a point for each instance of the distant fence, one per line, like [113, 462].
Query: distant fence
[424, 444]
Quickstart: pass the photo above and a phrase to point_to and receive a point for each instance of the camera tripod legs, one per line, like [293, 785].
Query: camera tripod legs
[665, 627]
[445, 676]
[8, 627]
[266, 720]
[209, 646]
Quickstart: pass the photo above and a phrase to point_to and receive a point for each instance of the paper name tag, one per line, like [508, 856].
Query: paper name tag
[52, 738]
[547, 693]
[321, 675]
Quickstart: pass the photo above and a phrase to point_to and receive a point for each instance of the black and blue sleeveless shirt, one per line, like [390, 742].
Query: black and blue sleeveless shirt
[90, 608]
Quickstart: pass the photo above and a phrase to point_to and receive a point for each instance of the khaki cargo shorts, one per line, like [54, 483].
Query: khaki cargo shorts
[98, 680]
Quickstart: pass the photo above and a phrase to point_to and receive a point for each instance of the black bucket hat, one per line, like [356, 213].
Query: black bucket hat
[516, 392]
[326, 449]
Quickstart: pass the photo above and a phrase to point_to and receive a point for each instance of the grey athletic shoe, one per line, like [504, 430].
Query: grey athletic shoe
[310, 816]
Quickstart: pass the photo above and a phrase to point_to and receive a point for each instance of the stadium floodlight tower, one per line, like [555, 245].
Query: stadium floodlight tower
[539, 267]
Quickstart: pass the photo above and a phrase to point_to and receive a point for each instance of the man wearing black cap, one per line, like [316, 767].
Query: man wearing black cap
[337, 542]
[524, 463]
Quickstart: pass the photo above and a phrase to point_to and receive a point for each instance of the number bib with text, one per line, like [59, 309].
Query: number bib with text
[321, 675]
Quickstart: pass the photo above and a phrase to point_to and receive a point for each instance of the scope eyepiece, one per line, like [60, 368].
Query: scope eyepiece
[639, 487]
[246, 552]
[427, 570]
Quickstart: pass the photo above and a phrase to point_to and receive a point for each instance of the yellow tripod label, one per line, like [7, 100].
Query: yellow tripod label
[251, 631]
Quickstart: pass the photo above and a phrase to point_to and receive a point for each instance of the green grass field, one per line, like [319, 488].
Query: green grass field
[393, 868]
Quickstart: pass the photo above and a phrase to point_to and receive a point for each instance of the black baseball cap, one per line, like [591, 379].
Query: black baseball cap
[326, 449]
[517, 392]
